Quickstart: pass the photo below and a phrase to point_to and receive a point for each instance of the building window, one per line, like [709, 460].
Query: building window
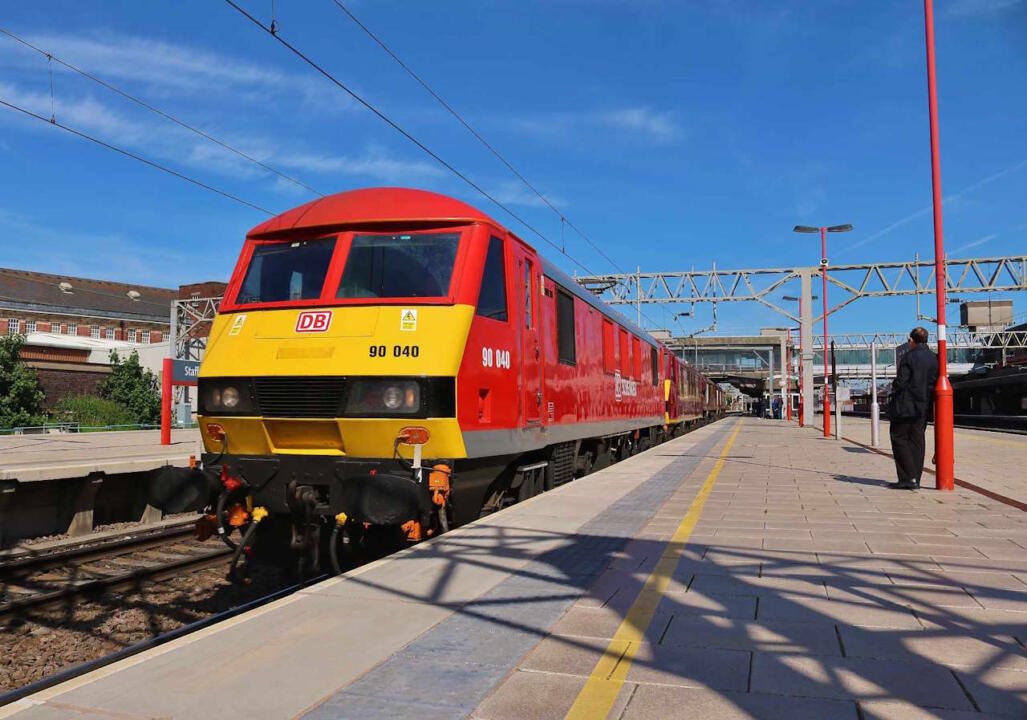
[492, 295]
[156, 336]
[654, 356]
[144, 337]
[565, 345]
[12, 326]
[30, 326]
[94, 332]
[72, 329]
[609, 348]
[109, 333]
[132, 336]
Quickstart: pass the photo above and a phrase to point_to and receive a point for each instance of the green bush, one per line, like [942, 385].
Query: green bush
[21, 398]
[91, 411]
[133, 387]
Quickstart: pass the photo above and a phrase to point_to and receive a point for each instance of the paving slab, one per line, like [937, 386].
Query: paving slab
[783, 581]
[57, 456]
[982, 458]
[672, 703]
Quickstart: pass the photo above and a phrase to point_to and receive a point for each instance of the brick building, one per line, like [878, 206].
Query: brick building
[71, 324]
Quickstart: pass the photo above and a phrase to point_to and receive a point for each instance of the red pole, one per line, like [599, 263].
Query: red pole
[823, 274]
[165, 402]
[943, 433]
[788, 377]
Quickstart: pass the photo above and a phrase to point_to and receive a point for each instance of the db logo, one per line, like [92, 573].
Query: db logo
[313, 321]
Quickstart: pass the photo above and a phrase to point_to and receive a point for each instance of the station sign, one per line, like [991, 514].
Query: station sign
[185, 372]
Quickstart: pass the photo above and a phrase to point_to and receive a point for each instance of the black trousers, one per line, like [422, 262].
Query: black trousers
[908, 447]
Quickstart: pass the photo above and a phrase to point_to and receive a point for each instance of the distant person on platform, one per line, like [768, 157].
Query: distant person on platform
[910, 406]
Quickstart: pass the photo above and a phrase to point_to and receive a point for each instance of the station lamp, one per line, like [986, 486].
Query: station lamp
[823, 230]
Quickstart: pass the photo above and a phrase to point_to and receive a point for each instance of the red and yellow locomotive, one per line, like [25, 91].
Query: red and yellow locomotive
[394, 357]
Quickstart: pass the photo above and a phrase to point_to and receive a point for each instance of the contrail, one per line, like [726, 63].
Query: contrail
[926, 210]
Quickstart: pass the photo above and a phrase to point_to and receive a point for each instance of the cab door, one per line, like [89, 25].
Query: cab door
[531, 350]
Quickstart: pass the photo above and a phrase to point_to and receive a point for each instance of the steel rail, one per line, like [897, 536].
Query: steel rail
[95, 549]
[79, 670]
[100, 585]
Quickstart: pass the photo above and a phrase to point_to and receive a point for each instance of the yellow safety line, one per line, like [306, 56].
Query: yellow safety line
[596, 699]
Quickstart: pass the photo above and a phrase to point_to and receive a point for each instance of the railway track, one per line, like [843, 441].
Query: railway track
[32, 581]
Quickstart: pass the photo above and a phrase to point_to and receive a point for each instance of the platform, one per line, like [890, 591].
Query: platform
[52, 483]
[995, 462]
[56, 456]
[748, 569]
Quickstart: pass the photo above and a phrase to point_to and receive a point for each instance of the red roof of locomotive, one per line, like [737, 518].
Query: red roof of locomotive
[374, 206]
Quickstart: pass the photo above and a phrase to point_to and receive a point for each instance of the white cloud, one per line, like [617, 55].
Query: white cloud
[642, 123]
[374, 164]
[514, 192]
[102, 255]
[158, 139]
[656, 125]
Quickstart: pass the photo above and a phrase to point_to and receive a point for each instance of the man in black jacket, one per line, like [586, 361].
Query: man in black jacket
[910, 406]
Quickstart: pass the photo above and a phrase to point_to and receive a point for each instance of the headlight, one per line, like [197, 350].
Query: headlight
[392, 398]
[221, 396]
[229, 397]
[384, 397]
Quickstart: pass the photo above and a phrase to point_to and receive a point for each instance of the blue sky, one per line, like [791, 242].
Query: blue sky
[675, 134]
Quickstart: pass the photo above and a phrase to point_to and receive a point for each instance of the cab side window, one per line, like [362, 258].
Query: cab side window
[492, 296]
[565, 343]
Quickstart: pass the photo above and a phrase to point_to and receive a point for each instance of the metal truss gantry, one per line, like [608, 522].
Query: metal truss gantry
[886, 279]
[191, 320]
[957, 338]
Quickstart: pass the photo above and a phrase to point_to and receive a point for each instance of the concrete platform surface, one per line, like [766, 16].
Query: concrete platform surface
[747, 570]
[993, 461]
[57, 456]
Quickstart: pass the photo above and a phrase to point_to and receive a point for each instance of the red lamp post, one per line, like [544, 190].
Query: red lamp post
[823, 230]
[943, 433]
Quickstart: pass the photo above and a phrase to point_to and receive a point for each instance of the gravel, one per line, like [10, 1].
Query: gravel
[51, 639]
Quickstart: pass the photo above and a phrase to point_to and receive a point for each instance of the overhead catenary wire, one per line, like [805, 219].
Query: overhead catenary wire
[51, 58]
[431, 91]
[134, 156]
[399, 129]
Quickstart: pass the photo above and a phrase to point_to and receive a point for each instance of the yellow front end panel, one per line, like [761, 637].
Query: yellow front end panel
[358, 341]
[265, 343]
[356, 437]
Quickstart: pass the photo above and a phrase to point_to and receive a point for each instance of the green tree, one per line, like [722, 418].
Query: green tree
[133, 387]
[21, 398]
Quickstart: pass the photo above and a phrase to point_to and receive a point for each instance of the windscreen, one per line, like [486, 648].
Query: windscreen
[399, 266]
[287, 271]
